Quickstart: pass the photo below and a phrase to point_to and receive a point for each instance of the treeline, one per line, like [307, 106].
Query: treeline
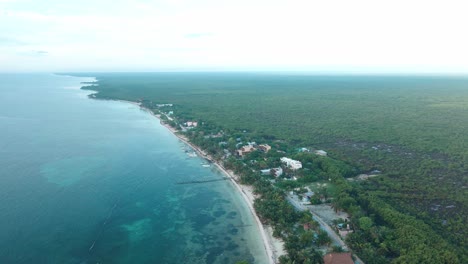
[383, 234]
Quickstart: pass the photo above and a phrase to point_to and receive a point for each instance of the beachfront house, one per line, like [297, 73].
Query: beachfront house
[275, 172]
[245, 150]
[292, 164]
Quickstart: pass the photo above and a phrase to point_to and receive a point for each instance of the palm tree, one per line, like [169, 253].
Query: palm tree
[309, 256]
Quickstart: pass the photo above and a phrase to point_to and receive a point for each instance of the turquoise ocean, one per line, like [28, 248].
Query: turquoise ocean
[90, 181]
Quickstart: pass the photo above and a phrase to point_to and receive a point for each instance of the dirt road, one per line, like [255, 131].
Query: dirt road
[336, 240]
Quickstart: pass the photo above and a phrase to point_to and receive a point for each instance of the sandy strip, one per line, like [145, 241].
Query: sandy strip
[274, 247]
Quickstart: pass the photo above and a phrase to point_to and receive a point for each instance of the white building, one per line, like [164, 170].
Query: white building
[277, 171]
[321, 152]
[191, 124]
[292, 164]
[252, 144]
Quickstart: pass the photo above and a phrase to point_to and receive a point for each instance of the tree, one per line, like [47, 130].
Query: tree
[365, 223]
[307, 238]
[337, 249]
[323, 238]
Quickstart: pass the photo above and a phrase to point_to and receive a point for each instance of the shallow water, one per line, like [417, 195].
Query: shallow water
[88, 181]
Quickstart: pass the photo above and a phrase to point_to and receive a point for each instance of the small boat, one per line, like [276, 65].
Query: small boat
[206, 165]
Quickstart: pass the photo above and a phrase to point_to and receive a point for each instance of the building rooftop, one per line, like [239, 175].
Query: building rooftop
[338, 258]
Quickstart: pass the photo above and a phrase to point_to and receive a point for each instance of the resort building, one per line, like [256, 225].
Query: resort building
[264, 147]
[275, 172]
[245, 150]
[191, 124]
[292, 164]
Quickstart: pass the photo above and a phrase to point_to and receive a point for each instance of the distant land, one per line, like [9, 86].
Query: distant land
[396, 163]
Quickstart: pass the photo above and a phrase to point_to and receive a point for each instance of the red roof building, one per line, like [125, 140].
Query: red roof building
[338, 258]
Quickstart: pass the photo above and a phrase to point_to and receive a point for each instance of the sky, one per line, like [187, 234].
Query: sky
[402, 36]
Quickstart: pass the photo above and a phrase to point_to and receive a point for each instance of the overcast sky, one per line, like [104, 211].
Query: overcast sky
[321, 36]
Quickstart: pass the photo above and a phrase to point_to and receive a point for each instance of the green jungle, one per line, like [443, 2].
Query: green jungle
[410, 130]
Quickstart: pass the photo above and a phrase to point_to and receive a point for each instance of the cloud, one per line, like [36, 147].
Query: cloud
[33, 53]
[198, 35]
[26, 15]
[6, 41]
[281, 34]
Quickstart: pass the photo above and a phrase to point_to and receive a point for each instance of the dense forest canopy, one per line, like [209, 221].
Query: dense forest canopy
[424, 113]
[411, 128]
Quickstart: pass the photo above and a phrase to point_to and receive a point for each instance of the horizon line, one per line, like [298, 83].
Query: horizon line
[305, 72]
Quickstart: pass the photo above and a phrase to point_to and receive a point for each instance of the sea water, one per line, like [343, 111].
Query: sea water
[90, 181]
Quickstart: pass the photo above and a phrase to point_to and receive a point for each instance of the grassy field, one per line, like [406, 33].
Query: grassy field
[414, 129]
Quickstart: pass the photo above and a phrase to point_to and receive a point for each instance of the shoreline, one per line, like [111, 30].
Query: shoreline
[274, 247]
